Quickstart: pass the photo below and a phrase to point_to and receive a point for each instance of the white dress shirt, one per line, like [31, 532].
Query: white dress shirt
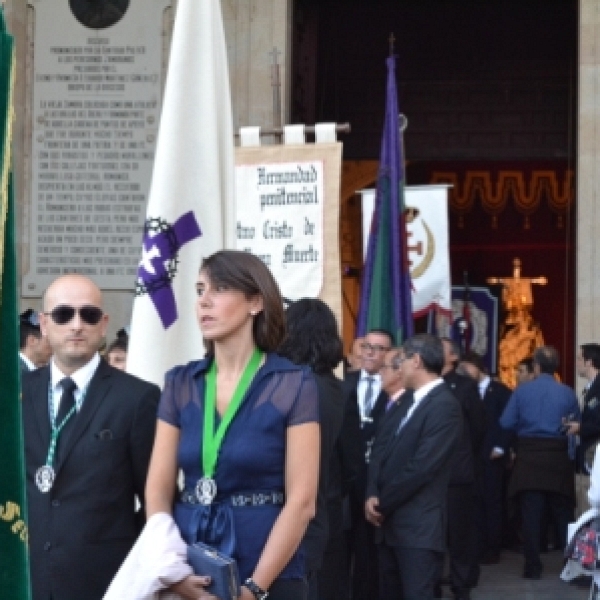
[29, 364]
[361, 391]
[483, 386]
[81, 377]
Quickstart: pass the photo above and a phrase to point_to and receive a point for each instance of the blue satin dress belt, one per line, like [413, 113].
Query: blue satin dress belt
[213, 524]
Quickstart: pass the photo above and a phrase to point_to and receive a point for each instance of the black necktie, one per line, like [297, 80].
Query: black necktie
[67, 400]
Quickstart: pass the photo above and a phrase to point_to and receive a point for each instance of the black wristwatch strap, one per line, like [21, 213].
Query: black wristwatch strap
[257, 592]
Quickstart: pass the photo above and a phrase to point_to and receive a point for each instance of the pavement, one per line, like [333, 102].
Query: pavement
[504, 581]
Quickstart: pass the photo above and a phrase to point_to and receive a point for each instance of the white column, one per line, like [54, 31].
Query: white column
[588, 175]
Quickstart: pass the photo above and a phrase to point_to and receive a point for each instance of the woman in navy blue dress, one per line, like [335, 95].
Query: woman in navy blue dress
[251, 491]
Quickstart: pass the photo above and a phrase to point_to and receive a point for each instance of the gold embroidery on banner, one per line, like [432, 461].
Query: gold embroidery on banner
[11, 513]
[494, 191]
[429, 254]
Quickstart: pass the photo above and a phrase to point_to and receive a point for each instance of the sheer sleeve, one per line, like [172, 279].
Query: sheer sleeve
[294, 394]
[305, 407]
[169, 409]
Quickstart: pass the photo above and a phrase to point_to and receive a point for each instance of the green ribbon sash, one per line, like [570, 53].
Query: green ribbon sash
[212, 440]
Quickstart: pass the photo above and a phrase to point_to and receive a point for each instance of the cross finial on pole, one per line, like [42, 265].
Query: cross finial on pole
[276, 85]
[392, 40]
[274, 53]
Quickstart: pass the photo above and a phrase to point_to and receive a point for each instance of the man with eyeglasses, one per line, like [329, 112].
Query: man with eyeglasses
[400, 400]
[408, 479]
[89, 431]
[363, 388]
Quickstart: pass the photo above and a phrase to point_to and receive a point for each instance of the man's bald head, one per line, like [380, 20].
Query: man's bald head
[71, 280]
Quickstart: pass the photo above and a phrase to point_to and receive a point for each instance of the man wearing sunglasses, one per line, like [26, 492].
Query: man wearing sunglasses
[89, 430]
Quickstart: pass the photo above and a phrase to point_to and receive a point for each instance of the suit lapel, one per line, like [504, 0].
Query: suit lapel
[591, 398]
[99, 386]
[401, 414]
[39, 402]
[420, 407]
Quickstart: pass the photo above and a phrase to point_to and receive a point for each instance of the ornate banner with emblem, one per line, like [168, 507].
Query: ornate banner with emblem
[427, 230]
[483, 311]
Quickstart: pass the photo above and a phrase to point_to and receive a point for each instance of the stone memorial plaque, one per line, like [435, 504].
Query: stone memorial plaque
[95, 110]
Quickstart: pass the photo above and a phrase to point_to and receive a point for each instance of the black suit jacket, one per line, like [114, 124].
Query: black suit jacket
[368, 428]
[81, 531]
[331, 415]
[366, 437]
[464, 469]
[495, 399]
[590, 420]
[410, 476]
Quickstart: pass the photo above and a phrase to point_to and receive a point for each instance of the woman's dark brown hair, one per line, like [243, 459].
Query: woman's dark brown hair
[246, 273]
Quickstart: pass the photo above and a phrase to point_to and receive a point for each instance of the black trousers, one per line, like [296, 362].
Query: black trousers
[490, 507]
[408, 573]
[462, 537]
[333, 577]
[364, 571]
[533, 505]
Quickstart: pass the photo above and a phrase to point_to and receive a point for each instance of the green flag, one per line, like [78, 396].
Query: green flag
[14, 571]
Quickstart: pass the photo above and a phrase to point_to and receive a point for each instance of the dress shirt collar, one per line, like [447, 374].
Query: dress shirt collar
[364, 376]
[483, 385]
[396, 395]
[26, 360]
[81, 377]
[424, 390]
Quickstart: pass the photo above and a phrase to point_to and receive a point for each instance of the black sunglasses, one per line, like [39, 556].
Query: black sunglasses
[61, 315]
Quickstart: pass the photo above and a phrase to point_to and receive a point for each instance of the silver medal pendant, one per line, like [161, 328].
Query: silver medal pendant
[44, 478]
[206, 490]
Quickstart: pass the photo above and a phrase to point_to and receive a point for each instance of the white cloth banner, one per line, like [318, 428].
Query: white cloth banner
[281, 221]
[428, 244]
[191, 209]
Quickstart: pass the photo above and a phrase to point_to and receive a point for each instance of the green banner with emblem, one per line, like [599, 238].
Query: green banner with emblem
[14, 569]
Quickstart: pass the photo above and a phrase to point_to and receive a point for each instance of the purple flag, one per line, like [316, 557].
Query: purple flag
[385, 301]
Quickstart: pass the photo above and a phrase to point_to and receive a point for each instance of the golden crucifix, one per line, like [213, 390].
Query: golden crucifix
[522, 334]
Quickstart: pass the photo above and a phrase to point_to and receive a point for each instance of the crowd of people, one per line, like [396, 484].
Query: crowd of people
[320, 487]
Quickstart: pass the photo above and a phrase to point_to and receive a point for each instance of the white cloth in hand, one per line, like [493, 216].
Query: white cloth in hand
[156, 562]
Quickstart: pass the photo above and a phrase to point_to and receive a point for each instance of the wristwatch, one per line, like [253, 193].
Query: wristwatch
[257, 592]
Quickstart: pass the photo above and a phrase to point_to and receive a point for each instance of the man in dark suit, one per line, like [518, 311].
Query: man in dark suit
[363, 388]
[400, 400]
[82, 489]
[34, 350]
[588, 429]
[462, 492]
[408, 480]
[495, 450]
[588, 367]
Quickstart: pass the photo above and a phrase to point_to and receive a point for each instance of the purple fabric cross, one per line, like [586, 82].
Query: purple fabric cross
[159, 256]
